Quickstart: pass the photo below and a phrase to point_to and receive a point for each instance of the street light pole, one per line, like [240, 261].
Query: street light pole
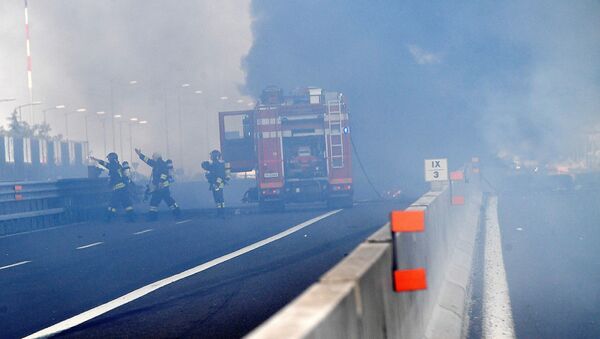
[87, 137]
[131, 122]
[79, 110]
[44, 111]
[206, 138]
[20, 118]
[130, 142]
[101, 115]
[112, 109]
[166, 123]
[112, 114]
[117, 116]
[180, 122]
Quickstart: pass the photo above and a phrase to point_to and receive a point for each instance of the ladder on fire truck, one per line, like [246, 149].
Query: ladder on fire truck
[336, 145]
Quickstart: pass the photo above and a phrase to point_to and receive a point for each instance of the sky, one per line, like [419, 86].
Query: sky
[422, 79]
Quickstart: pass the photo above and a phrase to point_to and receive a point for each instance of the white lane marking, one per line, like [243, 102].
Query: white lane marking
[140, 292]
[183, 221]
[40, 230]
[15, 264]
[90, 245]
[144, 231]
[497, 312]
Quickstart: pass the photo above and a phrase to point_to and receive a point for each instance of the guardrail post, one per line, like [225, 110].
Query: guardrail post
[457, 187]
[407, 279]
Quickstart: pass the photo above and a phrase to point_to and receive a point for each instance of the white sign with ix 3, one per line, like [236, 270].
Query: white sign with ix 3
[436, 169]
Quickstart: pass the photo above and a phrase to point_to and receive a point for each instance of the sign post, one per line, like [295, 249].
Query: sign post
[436, 172]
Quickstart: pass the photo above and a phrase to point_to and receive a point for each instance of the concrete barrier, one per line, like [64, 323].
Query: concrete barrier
[355, 299]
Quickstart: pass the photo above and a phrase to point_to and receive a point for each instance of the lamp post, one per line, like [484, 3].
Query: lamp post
[102, 116]
[35, 103]
[112, 106]
[166, 114]
[119, 116]
[206, 138]
[57, 107]
[67, 114]
[131, 122]
[180, 122]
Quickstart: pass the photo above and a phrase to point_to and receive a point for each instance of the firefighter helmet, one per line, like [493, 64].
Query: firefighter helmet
[156, 156]
[215, 155]
[112, 156]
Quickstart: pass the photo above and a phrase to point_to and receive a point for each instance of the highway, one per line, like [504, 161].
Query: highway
[549, 242]
[52, 275]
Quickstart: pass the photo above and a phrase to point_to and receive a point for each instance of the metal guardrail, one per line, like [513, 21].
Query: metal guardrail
[27, 206]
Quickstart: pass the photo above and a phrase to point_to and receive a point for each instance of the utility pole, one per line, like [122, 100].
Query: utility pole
[28, 45]
[166, 123]
[112, 116]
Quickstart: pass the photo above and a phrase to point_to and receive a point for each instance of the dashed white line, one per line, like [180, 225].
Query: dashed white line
[497, 313]
[90, 245]
[140, 292]
[144, 231]
[183, 221]
[40, 230]
[15, 264]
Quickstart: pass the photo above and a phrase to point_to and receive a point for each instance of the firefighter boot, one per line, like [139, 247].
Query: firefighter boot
[130, 214]
[152, 213]
[176, 212]
[110, 214]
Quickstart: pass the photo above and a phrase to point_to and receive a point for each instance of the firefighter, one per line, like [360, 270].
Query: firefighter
[159, 185]
[131, 186]
[217, 175]
[118, 183]
[126, 173]
[171, 170]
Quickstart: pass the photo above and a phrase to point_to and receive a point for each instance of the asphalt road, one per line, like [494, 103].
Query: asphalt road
[65, 271]
[550, 244]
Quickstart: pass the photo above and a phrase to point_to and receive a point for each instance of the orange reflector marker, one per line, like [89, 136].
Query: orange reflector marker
[458, 200]
[457, 176]
[18, 197]
[410, 280]
[407, 221]
[18, 187]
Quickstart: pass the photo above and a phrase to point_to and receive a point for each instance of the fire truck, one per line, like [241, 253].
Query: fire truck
[298, 145]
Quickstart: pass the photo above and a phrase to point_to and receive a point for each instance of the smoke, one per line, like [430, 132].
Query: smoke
[433, 79]
[439, 79]
[145, 51]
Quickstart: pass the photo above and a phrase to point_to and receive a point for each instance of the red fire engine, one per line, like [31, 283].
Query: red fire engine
[298, 145]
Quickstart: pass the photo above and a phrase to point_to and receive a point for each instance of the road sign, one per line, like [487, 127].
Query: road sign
[436, 169]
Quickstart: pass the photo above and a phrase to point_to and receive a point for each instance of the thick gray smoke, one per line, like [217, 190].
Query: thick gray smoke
[439, 79]
[80, 47]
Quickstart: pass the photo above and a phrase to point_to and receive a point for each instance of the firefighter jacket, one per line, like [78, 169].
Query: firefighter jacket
[117, 178]
[171, 171]
[160, 173]
[127, 174]
[218, 174]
